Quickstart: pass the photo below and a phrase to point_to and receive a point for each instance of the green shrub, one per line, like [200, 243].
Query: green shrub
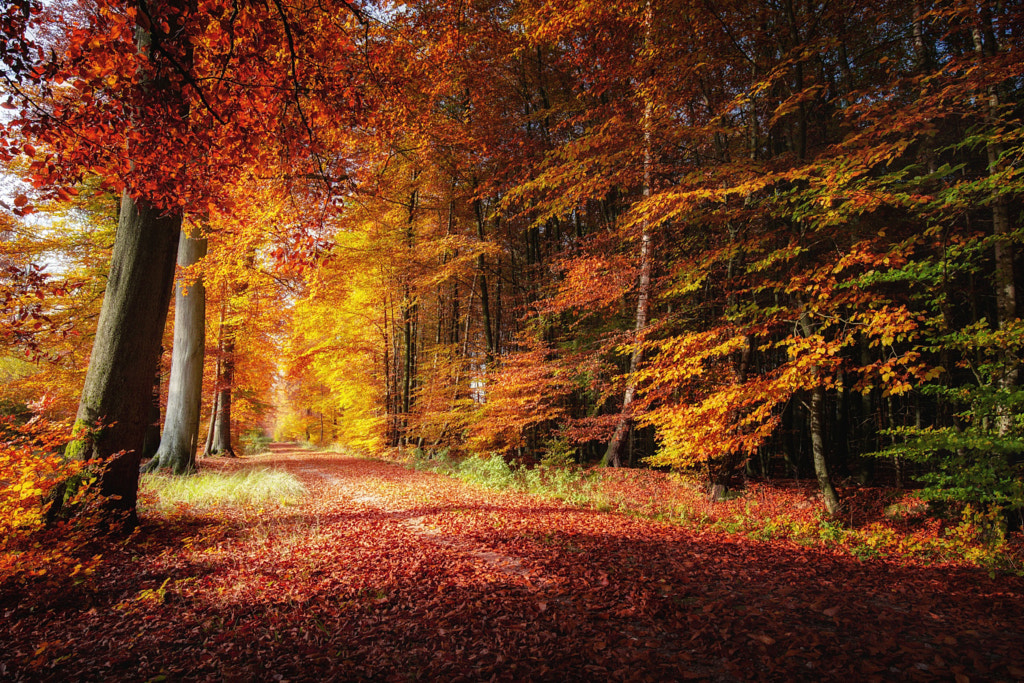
[491, 471]
[978, 462]
[558, 452]
[254, 441]
[430, 461]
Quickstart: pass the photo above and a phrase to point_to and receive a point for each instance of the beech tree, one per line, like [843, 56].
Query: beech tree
[130, 107]
[178, 446]
[112, 416]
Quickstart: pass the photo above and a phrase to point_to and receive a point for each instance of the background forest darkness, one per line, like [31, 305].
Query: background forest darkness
[744, 238]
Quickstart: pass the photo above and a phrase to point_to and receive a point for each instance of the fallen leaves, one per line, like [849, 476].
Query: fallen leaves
[383, 573]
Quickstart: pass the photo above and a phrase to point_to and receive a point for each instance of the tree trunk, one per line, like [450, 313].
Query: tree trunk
[1002, 229]
[208, 448]
[613, 454]
[485, 306]
[222, 431]
[816, 418]
[215, 399]
[152, 440]
[114, 410]
[177, 451]
[410, 310]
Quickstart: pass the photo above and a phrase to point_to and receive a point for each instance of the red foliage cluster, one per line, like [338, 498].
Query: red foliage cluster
[384, 573]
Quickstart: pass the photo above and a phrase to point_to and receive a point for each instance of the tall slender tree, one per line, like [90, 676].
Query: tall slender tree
[177, 451]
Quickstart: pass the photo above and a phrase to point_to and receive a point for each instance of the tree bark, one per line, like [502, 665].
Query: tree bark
[485, 305]
[177, 451]
[222, 431]
[208, 446]
[816, 411]
[410, 311]
[215, 399]
[152, 441]
[113, 413]
[817, 418]
[1002, 229]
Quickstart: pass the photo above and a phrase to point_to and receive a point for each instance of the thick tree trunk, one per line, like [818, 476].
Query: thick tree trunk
[177, 451]
[114, 410]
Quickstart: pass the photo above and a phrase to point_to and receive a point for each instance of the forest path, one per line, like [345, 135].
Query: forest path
[382, 573]
[398, 498]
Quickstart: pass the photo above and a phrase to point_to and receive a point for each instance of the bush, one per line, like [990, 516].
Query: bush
[977, 463]
[30, 466]
[491, 471]
[254, 441]
[567, 482]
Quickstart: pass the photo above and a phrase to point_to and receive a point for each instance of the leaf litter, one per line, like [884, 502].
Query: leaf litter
[382, 573]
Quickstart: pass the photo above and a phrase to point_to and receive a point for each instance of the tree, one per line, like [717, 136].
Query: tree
[113, 416]
[134, 112]
[220, 443]
[613, 454]
[177, 451]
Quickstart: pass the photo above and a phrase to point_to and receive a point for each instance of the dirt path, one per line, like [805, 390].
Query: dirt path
[386, 574]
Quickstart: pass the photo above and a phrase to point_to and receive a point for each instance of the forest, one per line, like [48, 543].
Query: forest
[734, 249]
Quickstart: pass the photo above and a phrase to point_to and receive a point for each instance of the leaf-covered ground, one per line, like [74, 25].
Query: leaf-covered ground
[387, 574]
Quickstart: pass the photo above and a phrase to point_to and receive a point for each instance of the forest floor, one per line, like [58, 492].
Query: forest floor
[382, 573]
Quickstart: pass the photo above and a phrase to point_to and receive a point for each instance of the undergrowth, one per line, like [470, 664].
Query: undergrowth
[255, 442]
[249, 487]
[877, 524]
[569, 483]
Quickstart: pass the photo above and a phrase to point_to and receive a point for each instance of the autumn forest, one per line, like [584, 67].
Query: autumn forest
[719, 286]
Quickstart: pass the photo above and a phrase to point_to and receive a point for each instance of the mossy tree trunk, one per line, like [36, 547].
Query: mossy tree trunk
[177, 451]
[113, 414]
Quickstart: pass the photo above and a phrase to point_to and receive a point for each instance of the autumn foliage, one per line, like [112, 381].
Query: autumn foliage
[742, 247]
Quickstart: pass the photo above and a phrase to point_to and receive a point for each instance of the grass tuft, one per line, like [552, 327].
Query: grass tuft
[249, 487]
